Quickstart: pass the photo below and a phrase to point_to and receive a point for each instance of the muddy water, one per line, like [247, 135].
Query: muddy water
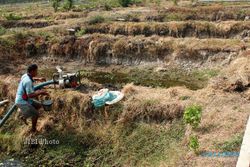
[147, 78]
[144, 77]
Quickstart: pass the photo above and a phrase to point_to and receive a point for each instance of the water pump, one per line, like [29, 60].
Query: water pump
[68, 80]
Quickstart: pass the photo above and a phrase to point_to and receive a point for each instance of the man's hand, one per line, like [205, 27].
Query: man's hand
[42, 92]
[37, 93]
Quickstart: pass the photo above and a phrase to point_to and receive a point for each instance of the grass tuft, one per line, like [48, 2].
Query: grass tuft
[96, 19]
[232, 144]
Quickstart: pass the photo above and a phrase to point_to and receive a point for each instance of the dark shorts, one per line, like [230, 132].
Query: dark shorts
[30, 110]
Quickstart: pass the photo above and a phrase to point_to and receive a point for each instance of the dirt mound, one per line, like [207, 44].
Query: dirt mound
[208, 13]
[28, 24]
[228, 29]
[17, 48]
[236, 77]
[108, 49]
[8, 86]
[121, 50]
[71, 108]
[154, 105]
[70, 15]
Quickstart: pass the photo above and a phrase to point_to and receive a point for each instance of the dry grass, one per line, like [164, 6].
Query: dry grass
[8, 86]
[46, 124]
[224, 114]
[128, 89]
[213, 12]
[71, 107]
[152, 105]
[28, 24]
[235, 77]
[176, 29]
[110, 49]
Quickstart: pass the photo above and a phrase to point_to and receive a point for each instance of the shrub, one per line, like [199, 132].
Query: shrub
[138, 1]
[12, 16]
[80, 32]
[175, 2]
[194, 143]
[55, 4]
[132, 17]
[192, 115]
[184, 97]
[21, 35]
[68, 4]
[107, 7]
[205, 74]
[2, 30]
[96, 19]
[125, 3]
[232, 144]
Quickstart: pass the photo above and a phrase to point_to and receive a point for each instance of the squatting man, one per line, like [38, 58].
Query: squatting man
[25, 96]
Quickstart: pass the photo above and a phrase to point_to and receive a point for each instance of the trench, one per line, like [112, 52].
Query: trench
[148, 77]
[142, 78]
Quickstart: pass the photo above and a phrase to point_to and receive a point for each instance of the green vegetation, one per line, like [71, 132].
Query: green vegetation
[174, 17]
[194, 143]
[12, 16]
[96, 19]
[205, 74]
[21, 35]
[81, 32]
[175, 2]
[107, 6]
[18, 1]
[147, 77]
[232, 144]
[184, 97]
[192, 115]
[55, 5]
[137, 145]
[7, 42]
[134, 145]
[49, 36]
[125, 3]
[66, 4]
[132, 17]
[2, 30]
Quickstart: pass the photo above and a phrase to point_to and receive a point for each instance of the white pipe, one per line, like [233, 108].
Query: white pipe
[3, 102]
[59, 70]
[244, 158]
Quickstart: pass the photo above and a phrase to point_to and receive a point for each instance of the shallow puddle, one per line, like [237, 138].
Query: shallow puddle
[144, 78]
